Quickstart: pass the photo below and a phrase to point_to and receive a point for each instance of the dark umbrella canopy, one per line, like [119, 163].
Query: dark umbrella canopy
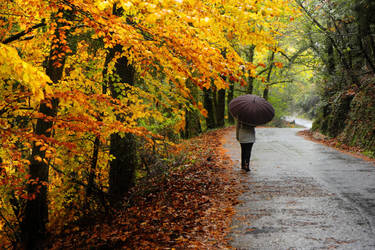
[251, 110]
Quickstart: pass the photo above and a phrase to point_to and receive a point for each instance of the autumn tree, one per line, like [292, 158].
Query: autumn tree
[36, 210]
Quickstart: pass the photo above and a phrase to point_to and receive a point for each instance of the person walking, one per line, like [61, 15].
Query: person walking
[245, 135]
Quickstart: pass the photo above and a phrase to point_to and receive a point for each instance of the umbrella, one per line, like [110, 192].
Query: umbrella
[251, 110]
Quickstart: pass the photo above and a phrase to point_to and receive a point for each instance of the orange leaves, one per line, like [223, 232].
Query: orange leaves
[202, 110]
[181, 42]
[351, 92]
[243, 82]
[262, 65]
[96, 114]
[38, 158]
[99, 33]
[278, 64]
[58, 161]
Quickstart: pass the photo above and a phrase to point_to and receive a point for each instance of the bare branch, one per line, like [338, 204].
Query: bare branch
[274, 83]
[21, 34]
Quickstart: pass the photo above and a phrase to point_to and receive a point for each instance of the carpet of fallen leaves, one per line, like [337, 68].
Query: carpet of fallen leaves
[191, 207]
[335, 143]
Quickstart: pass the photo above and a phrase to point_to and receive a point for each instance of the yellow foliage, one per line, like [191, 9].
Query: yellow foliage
[14, 68]
[169, 42]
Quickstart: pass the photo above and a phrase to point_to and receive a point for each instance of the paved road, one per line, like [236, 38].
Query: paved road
[302, 195]
[299, 121]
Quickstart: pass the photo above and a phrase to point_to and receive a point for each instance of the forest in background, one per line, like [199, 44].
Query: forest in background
[341, 37]
[96, 95]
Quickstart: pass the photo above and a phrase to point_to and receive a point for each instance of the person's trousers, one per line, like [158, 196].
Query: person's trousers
[246, 154]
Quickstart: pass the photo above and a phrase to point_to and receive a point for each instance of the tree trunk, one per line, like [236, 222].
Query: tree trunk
[208, 105]
[250, 87]
[220, 108]
[193, 125]
[33, 225]
[330, 55]
[122, 168]
[230, 98]
[94, 161]
[123, 148]
[267, 88]
[365, 39]
[250, 79]
[266, 92]
[192, 117]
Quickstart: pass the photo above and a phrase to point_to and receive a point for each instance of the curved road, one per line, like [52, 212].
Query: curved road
[302, 195]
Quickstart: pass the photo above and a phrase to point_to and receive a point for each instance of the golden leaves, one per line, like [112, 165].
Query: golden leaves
[202, 110]
[38, 158]
[29, 76]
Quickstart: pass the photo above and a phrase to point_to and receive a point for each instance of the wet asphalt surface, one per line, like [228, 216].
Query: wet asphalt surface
[302, 195]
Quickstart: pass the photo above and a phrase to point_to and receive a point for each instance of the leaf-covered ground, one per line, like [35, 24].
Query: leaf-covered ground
[191, 207]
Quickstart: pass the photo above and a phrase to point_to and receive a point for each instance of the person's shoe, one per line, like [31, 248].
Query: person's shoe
[247, 169]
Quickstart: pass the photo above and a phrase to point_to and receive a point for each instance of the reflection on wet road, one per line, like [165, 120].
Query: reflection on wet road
[302, 195]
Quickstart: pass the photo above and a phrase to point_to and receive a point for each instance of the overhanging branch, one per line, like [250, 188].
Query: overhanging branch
[274, 83]
[21, 34]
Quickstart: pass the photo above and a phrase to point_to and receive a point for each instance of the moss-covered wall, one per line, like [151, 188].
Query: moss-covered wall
[360, 125]
[350, 118]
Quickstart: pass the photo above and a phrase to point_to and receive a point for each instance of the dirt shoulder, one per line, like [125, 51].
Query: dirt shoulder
[334, 143]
